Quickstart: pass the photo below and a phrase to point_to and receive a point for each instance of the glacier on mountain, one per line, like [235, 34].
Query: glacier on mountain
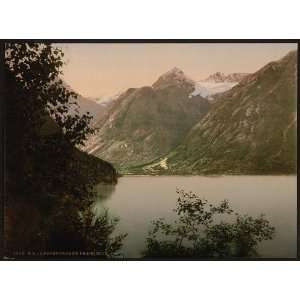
[209, 88]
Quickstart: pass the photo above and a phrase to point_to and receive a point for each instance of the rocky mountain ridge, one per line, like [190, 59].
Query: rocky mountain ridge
[145, 123]
[171, 128]
[251, 129]
[221, 77]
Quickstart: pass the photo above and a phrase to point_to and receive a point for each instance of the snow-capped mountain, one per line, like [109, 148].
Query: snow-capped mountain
[251, 129]
[217, 83]
[145, 123]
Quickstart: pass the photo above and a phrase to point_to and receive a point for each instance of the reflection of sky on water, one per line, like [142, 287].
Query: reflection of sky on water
[139, 200]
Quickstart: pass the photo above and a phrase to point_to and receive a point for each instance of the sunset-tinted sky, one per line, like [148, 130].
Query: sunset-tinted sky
[95, 70]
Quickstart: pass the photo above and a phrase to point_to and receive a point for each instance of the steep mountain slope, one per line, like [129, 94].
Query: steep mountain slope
[146, 123]
[91, 106]
[96, 110]
[251, 129]
[88, 165]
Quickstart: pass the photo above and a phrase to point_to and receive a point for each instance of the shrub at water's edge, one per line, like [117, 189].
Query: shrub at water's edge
[199, 232]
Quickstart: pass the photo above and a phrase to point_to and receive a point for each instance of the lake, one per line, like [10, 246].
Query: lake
[137, 200]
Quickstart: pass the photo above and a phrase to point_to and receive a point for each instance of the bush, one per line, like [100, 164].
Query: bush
[206, 230]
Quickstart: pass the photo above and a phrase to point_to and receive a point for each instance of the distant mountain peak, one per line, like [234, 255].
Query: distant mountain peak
[216, 77]
[222, 77]
[174, 76]
[250, 129]
[175, 70]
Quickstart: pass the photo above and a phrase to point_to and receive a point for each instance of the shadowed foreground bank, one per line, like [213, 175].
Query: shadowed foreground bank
[48, 180]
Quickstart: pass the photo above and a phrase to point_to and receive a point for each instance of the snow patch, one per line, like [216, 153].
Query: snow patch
[209, 88]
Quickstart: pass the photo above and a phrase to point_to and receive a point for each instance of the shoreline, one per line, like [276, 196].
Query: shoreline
[204, 175]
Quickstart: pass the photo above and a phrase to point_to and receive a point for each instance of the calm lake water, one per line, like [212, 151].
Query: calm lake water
[139, 199]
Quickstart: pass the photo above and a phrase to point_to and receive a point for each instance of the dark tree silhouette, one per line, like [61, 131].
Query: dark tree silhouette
[49, 181]
[33, 72]
[206, 230]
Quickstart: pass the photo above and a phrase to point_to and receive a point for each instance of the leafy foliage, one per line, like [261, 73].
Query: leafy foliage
[49, 181]
[34, 69]
[84, 232]
[199, 232]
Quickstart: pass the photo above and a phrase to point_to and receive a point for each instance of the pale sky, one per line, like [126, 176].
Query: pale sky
[95, 70]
